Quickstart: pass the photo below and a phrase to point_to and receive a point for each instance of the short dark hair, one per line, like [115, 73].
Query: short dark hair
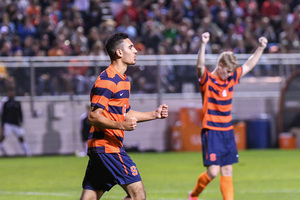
[112, 43]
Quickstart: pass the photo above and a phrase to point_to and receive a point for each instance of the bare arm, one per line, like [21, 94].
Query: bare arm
[95, 118]
[201, 54]
[252, 61]
[160, 113]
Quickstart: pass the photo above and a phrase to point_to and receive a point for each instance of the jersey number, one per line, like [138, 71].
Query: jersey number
[134, 171]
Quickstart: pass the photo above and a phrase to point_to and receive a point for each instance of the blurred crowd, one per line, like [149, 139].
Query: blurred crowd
[80, 28]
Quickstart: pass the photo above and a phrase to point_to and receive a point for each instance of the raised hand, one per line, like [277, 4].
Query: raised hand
[205, 37]
[263, 42]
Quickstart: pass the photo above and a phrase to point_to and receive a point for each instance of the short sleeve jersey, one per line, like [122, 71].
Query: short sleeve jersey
[111, 93]
[217, 100]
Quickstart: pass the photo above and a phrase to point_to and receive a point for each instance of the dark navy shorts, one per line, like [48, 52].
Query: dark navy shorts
[105, 170]
[218, 147]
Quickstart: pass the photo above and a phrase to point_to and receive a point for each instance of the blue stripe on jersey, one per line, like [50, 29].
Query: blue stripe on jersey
[119, 138]
[230, 89]
[220, 102]
[215, 82]
[102, 92]
[96, 149]
[234, 75]
[218, 113]
[115, 109]
[101, 149]
[96, 135]
[219, 124]
[121, 94]
[127, 109]
[97, 105]
[213, 90]
[206, 78]
[116, 79]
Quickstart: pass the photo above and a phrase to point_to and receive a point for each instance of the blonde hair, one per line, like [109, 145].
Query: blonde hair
[228, 59]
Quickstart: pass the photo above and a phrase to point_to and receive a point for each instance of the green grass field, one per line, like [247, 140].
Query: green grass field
[259, 175]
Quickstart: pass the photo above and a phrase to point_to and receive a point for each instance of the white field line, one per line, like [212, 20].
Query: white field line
[295, 191]
[156, 192]
[36, 193]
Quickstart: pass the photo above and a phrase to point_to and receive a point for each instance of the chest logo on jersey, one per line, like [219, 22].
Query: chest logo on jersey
[224, 93]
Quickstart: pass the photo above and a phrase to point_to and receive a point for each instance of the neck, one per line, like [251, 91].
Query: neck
[215, 73]
[120, 66]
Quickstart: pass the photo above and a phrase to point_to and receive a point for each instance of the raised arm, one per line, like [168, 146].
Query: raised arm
[201, 54]
[252, 61]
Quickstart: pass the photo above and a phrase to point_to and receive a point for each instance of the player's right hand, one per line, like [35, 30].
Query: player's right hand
[263, 42]
[205, 37]
[130, 124]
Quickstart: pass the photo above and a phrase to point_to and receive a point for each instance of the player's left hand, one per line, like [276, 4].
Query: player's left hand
[263, 42]
[162, 111]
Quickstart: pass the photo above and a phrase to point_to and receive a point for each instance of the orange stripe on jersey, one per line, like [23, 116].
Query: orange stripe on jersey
[123, 86]
[217, 100]
[111, 93]
[108, 148]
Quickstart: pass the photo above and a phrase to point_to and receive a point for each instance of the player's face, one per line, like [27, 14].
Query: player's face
[129, 52]
[224, 72]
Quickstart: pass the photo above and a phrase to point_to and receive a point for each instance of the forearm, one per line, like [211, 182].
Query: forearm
[252, 61]
[201, 60]
[102, 122]
[141, 116]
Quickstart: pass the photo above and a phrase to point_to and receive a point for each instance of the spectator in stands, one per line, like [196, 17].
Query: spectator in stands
[97, 49]
[271, 9]
[128, 9]
[115, 6]
[107, 28]
[153, 24]
[79, 38]
[27, 47]
[33, 12]
[289, 40]
[126, 26]
[265, 29]
[16, 45]
[3, 78]
[5, 49]
[200, 11]
[94, 16]
[216, 8]
[5, 35]
[11, 25]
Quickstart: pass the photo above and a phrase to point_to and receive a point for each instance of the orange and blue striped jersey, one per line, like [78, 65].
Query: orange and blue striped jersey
[111, 93]
[217, 100]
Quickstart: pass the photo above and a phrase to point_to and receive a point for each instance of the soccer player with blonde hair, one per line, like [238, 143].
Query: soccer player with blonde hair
[218, 144]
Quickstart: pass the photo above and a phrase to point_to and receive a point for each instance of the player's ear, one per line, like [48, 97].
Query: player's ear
[119, 52]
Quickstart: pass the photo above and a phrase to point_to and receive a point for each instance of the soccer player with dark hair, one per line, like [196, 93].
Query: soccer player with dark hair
[110, 116]
[218, 144]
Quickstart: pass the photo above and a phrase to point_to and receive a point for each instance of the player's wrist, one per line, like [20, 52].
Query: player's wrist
[121, 127]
